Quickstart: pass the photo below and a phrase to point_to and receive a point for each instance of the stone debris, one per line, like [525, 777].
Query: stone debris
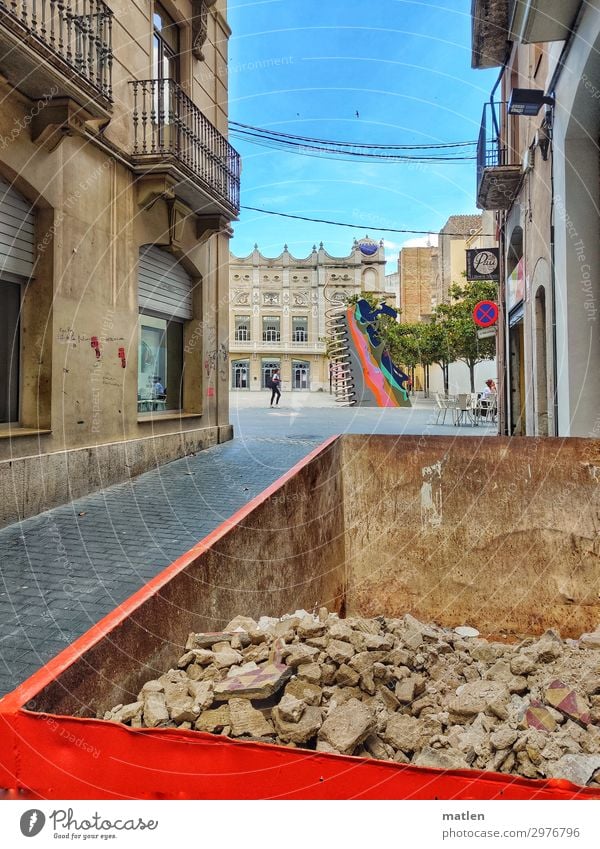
[388, 688]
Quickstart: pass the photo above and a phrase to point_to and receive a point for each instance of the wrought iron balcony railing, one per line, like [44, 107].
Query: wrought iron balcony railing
[166, 123]
[498, 165]
[78, 32]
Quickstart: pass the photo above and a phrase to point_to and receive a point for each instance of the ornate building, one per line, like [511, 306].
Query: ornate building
[278, 311]
[117, 187]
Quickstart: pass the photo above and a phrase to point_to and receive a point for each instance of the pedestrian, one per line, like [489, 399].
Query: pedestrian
[275, 390]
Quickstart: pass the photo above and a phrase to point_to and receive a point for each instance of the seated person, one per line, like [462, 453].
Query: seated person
[490, 388]
[158, 390]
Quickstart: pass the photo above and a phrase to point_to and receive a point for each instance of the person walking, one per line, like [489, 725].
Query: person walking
[275, 387]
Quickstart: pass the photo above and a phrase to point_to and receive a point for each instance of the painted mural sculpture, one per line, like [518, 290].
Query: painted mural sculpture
[378, 382]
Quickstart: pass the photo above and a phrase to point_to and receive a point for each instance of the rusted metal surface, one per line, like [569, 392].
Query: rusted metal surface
[498, 533]
[286, 553]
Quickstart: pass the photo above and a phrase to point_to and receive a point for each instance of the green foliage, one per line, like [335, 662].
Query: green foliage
[457, 320]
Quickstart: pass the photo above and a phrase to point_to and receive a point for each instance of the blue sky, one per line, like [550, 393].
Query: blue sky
[306, 67]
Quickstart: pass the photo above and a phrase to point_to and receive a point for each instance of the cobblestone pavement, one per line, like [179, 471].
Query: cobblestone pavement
[65, 569]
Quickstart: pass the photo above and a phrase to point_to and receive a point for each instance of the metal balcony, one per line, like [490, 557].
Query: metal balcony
[172, 136]
[498, 167]
[58, 49]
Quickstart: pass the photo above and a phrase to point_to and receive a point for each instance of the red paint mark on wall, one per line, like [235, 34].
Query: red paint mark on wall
[210, 391]
[122, 357]
[95, 344]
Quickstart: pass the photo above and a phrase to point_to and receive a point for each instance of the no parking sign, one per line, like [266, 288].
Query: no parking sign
[485, 313]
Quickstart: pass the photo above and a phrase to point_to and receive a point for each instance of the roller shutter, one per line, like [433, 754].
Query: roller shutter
[17, 233]
[165, 287]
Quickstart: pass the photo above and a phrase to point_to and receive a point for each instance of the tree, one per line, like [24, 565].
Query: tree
[456, 319]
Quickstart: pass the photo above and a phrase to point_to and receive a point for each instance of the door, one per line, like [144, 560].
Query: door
[300, 375]
[268, 367]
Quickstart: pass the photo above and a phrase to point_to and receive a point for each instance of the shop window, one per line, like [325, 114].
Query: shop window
[10, 304]
[160, 364]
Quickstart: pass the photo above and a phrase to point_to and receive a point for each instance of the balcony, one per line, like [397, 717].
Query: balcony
[281, 347]
[489, 32]
[536, 21]
[499, 170]
[172, 138]
[59, 50]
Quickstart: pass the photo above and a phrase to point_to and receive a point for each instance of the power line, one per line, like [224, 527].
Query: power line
[362, 226]
[330, 142]
[341, 154]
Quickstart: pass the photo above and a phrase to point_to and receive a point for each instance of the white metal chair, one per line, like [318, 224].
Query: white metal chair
[463, 409]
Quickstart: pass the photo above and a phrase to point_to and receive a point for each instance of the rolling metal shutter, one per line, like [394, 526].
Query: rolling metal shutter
[164, 287]
[17, 233]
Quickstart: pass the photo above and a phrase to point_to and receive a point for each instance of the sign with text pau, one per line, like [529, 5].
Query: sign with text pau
[483, 264]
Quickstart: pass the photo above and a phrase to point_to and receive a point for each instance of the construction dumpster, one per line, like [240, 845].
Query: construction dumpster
[497, 534]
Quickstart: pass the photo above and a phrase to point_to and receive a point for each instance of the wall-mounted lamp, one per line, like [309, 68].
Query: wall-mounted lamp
[528, 101]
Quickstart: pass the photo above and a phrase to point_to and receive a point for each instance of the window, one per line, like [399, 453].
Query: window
[165, 69]
[300, 328]
[300, 375]
[240, 374]
[242, 328]
[271, 331]
[10, 303]
[165, 46]
[160, 364]
[268, 367]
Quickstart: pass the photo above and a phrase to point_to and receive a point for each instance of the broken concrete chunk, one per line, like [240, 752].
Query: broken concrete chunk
[213, 721]
[128, 712]
[297, 654]
[226, 656]
[347, 726]
[440, 759]
[246, 721]
[155, 710]
[300, 731]
[290, 708]
[258, 683]
[578, 769]
[339, 651]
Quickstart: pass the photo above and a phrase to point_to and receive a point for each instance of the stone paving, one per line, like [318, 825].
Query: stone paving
[65, 569]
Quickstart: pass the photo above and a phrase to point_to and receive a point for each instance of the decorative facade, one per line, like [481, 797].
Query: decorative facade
[278, 309]
[117, 188]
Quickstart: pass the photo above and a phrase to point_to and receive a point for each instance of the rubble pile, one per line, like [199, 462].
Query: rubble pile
[391, 689]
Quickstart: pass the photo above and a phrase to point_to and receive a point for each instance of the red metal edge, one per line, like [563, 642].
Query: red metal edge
[69, 757]
[74, 758]
[19, 697]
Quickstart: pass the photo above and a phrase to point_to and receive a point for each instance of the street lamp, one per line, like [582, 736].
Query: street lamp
[528, 101]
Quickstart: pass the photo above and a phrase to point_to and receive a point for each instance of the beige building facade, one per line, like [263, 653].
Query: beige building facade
[279, 308]
[117, 188]
[539, 174]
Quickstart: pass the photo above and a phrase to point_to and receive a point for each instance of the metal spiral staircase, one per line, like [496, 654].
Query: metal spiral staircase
[339, 352]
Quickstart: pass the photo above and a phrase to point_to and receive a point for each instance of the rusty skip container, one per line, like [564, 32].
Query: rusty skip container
[494, 532]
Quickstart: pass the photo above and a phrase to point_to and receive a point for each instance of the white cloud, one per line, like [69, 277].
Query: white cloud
[422, 242]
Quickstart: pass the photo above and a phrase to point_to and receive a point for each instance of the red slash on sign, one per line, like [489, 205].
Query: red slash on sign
[485, 313]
